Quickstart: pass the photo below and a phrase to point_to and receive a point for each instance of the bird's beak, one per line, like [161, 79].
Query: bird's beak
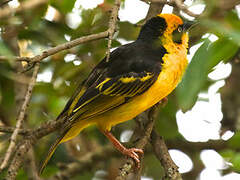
[187, 25]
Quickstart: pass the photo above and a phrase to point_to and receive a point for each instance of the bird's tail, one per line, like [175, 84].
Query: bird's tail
[52, 150]
[66, 135]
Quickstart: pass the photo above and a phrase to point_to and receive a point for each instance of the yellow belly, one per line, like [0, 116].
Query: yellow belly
[167, 81]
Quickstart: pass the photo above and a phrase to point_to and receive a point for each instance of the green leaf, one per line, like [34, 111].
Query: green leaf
[229, 29]
[232, 18]
[193, 79]
[131, 33]
[236, 162]
[233, 157]
[206, 57]
[227, 154]
[115, 43]
[64, 6]
[49, 170]
[234, 141]
[96, 17]
[221, 50]
[21, 175]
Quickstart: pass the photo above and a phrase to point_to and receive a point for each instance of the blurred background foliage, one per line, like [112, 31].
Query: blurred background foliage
[214, 42]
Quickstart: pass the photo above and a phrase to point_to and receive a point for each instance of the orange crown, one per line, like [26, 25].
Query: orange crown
[172, 21]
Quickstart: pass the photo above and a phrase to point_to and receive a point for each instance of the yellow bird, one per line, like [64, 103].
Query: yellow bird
[136, 77]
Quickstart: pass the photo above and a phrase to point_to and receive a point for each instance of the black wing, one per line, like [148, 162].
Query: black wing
[131, 70]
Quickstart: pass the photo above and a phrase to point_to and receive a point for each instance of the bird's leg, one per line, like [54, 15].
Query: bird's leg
[132, 152]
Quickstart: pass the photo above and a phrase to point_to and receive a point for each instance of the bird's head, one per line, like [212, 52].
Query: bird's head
[169, 28]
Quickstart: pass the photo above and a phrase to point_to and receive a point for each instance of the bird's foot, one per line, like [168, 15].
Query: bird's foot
[134, 154]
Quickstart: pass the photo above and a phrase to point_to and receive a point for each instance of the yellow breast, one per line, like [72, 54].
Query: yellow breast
[172, 71]
[175, 63]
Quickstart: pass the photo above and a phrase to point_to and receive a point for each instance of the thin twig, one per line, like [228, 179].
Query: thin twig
[20, 118]
[4, 58]
[154, 10]
[161, 152]
[170, 3]
[112, 26]
[25, 5]
[6, 129]
[182, 7]
[18, 158]
[68, 45]
[61, 47]
[177, 3]
[192, 147]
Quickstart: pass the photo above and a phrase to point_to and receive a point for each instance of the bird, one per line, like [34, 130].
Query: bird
[135, 77]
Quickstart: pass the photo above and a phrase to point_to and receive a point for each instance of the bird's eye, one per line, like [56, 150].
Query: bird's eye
[177, 35]
[180, 29]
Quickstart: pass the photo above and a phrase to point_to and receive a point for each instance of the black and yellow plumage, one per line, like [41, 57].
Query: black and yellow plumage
[137, 76]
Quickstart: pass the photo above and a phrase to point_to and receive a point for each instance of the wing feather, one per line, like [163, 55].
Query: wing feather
[110, 93]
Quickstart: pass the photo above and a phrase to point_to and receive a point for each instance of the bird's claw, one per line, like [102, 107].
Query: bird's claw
[134, 154]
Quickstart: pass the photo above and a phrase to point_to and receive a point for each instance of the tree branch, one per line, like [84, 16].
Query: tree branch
[60, 47]
[6, 129]
[112, 26]
[191, 147]
[20, 118]
[67, 45]
[161, 152]
[4, 58]
[183, 8]
[26, 144]
[177, 3]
